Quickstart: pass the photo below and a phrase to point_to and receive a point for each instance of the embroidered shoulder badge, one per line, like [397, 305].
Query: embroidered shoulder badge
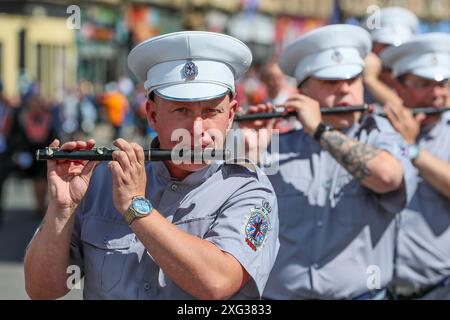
[257, 225]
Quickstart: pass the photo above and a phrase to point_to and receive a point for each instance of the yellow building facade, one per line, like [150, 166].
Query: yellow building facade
[48, 50]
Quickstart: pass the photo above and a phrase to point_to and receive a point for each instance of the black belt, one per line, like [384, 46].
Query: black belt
[370, 295]
[421, 293]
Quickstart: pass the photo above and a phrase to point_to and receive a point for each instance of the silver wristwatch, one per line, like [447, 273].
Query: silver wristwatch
[413, 151]
[140, 207]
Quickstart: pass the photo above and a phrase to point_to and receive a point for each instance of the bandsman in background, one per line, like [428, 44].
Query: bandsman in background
[342, 179]
[390, 27]
[422, 69]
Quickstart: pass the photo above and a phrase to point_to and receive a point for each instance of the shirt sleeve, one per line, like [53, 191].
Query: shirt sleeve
[389, 140]
[247, 228]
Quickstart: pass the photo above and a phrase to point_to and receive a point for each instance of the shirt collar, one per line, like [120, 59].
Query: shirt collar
[195, 178]
[431, 132]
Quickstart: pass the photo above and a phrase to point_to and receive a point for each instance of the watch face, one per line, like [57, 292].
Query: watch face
[413, 152]
[141, 205]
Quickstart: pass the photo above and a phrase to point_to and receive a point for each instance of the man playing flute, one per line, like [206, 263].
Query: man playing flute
[422, 69]
[163, 230]
[342, 178]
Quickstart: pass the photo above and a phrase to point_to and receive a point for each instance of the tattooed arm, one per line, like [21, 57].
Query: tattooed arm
[376, 169]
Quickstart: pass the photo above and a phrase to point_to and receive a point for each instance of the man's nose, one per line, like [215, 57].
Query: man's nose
[439, 90]
[343, 86]
[197, 126]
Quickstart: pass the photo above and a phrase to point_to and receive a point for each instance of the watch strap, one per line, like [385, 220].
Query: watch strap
[321, 128]
[129, 215]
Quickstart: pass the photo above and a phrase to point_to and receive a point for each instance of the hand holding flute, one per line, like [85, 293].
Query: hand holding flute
[68, 180]
[262, 116]
[405, 122]
[258, 133]
[307, 111]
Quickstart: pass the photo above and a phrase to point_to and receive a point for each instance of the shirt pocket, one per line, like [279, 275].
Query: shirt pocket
[352, 203]
[106, 246]
[434, 207]
[426, 191]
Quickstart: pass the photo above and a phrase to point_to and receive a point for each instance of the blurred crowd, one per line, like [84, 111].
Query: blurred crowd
[32, 122]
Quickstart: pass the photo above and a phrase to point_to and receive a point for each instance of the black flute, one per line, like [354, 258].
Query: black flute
[105, 154]
[333, 110]
[430, 111]
[323, 110]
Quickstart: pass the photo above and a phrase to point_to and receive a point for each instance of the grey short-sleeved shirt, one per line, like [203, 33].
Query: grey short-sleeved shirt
[220, 203]
[334, 233]
[423, 246]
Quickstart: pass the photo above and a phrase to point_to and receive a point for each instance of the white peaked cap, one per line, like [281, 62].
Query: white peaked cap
[334, 52]
[190, 65]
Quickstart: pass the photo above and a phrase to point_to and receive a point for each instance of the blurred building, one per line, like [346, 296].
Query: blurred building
[102, 42]
[434, 15]
[427, 10]
[264, 25]
[36, 45]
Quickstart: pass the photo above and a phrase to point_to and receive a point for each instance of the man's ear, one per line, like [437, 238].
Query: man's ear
[150, 107]
[302, 86]
[234, 104]
[398, 86]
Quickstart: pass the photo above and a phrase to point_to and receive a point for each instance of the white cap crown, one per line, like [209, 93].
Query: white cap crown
[190, 65]
[426, 55]
[396, 26]
[334, 52]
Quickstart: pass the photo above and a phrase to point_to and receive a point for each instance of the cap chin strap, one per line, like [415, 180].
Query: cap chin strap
[190, 99]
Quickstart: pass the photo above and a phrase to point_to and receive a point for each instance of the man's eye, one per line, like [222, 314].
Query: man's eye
[181, 110]
[211, 111]
[329, 82]
[352, 80]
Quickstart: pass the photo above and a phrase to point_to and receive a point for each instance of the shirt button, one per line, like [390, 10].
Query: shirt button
[319, 224]
[315, 266]
[327, 184]
[174, 187]
[147, 286]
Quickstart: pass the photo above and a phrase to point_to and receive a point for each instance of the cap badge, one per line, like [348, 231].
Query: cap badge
[190, 70]
[337, 56]
[434, 60]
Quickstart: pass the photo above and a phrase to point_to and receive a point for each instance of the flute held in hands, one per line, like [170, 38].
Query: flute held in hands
[105, 154]
[334, 111]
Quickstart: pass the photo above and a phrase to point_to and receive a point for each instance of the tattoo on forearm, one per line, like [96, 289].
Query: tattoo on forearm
[352, 155]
